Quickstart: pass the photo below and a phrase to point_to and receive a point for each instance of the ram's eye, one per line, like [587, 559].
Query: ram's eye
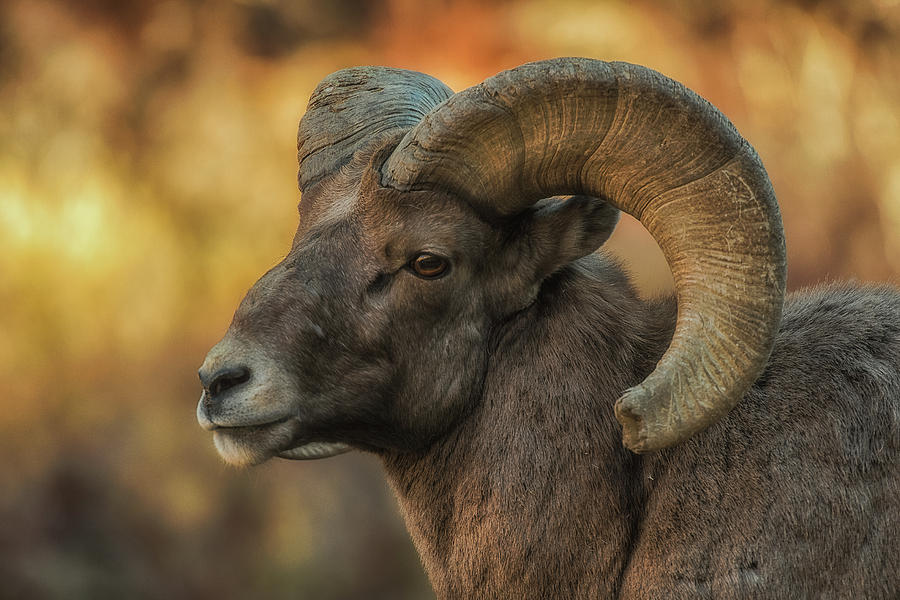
[429, 266]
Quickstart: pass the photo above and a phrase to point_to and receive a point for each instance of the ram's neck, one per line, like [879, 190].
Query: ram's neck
[533, 495]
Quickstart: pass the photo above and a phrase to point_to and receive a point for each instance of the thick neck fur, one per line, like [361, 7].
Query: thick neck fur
[484, 505]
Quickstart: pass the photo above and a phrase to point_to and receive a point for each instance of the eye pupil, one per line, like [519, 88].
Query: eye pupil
[429, 265]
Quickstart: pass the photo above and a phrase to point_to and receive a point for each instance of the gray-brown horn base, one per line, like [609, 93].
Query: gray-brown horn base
[351, 107]
[657, 151]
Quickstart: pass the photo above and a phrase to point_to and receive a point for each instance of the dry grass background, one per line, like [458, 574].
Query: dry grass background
[147, 168]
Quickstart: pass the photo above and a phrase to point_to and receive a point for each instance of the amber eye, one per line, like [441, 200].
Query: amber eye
[429, 266]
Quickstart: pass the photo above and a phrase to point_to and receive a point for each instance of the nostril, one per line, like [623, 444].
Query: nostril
[228, 378]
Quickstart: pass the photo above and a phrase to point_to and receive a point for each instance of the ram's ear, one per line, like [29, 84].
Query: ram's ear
[560, 230]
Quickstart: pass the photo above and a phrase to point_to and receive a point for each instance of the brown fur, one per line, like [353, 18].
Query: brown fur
[488, 394]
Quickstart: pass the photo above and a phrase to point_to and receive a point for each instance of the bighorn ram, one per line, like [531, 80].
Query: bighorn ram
[443, 308]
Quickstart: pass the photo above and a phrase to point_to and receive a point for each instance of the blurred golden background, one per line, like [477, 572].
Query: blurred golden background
[147, 178]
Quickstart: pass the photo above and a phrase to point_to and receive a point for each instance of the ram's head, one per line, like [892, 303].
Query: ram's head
[428, 219]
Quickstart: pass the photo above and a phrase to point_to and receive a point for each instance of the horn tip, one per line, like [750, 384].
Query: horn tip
[644, 424]
[630, 414]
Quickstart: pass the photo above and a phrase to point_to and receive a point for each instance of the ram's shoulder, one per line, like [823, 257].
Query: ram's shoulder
[845, 316]
[843, 300]
[835, 338]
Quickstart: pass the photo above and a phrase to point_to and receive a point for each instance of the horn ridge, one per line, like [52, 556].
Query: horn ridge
[353, 106]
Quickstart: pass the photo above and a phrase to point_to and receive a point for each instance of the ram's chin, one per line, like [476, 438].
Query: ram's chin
[252, 445]
[240, 452]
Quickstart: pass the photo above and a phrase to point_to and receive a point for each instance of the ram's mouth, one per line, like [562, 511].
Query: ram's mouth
[252, 444]
[248, 430]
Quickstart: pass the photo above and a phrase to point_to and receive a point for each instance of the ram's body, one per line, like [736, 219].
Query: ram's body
[439, 309]
[795, 494]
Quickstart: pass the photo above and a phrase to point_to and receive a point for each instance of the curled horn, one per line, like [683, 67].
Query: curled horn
[656, 150]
